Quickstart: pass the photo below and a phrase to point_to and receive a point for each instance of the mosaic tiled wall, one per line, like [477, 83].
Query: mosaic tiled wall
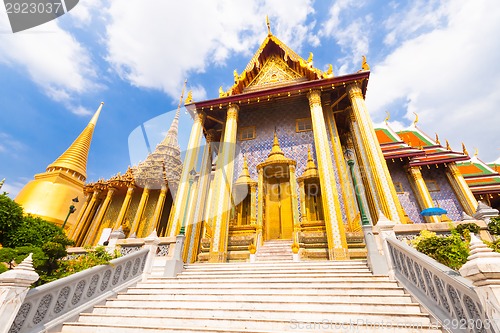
[407, 197]
[281, 117]
[445, 197]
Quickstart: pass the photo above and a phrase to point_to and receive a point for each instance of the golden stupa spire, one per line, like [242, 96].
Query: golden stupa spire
[311, 170]
[75, 157]
[268, 26]
[244, 177]
[171, 137]
[276, 152]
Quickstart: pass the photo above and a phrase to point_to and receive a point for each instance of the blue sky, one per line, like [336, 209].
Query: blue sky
[436, 58]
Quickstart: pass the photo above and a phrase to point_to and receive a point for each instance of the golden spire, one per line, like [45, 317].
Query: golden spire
[171, 137]
[75, 157]
[268, 26]
[276, 149]
[437, 139]
[244, 177]
[311, 170]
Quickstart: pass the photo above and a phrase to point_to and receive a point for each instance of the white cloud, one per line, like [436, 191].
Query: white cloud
[450, 76]
[159, 48]
[50, 56]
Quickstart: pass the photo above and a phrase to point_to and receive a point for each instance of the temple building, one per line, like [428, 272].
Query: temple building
[51, 194]
[287, 154]
[138, 201]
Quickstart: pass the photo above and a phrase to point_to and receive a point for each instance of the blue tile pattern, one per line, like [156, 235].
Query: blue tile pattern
[445, 197]
[407, 198]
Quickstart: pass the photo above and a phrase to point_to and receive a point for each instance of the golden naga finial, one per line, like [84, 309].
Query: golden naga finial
[236, 76]
[268, 26]
[476, 152]
[364, 64]
[329, 71]
[221, 92]
[437, 139]
[416, 119]
[310, 59]
[464, 150]
[182, 94]
[189, 98]
[388, 116]
[448, 145]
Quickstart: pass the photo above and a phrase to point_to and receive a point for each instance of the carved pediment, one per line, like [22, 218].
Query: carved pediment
[275, 72]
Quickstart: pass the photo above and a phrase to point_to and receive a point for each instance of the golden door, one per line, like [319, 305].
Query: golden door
[278, 209]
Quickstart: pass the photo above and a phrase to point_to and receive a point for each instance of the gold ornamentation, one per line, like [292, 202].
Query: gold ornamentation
[236, 76]
[448, 145]
[364, 64]
[464, 150]
[437, 139]
[314, 97]
[232, 112]
[221, 92]
[268, 26]
[476, 152]
[329, 72]
[275, 71]
[189, 98]
[416, 119]
[388, 116]
[310, 59]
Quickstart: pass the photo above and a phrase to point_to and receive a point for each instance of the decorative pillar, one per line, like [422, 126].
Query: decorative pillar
[347, 192]
[295, 206]
[223, 187]
[14, 286]
[461, 189]
[159, 207]
[140, 210]
[80, 216]
[421, 191]
[190, 160]
[79, 235]
[193, 233]
[125, 205]
[303, 211]
[260, 209]
[253, 191]
[385, 192]
[151, 243]
[337, 242]
[95, 227]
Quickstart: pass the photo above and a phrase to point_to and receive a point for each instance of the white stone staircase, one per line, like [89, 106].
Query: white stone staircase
[275, 250]
[341, 296]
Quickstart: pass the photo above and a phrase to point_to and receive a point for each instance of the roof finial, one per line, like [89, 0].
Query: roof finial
[364, 64]
[437, 139]
[476, 152]
[268, 26]
[189, 98]
[448, 145]
[388, 116]
[416, 119]
[464, 150]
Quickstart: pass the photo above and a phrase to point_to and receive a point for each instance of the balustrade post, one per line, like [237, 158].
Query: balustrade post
[113, 238]
[385, 229]
[151, 243]
[14, 285]
[483, 268]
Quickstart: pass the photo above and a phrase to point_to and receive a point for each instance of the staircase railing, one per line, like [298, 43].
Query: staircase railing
[449, 297]
[48, 306]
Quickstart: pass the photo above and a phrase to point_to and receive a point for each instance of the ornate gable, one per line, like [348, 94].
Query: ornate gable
[275, 72]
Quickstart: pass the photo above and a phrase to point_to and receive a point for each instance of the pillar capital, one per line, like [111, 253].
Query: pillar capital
[314, 97]
[354, 90]
[211, 135]
[232, 112]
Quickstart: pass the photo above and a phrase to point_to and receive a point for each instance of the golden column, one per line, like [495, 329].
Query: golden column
[260, 209]
[125, 205]
[140, 210]
[295, 204]
[190, 160]
[422, 192]
[384, 187]
[462, 190]
[347, 192]
[83, 224]
[337, 242]
[223, 187]
[194, 229]
[82, 212]
[159, 207]
[95, 227]
[303, 211]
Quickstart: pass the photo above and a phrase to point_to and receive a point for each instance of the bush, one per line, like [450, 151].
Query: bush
[494, 225]
[11, 216]
[450, 250]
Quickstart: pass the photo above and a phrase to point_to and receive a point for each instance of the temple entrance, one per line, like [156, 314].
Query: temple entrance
[278, 215]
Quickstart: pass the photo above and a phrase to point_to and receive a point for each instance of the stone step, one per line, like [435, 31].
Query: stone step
[350, 272]
[390, 290]
[223, 295]
[290, 326]
[263, 279]
[244, 304]
[271, 276]
[312, 263]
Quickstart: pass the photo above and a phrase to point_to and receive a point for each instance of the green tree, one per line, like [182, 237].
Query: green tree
[11, 216]
[32, 231]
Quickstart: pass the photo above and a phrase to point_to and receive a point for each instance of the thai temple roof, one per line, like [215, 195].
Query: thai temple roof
[416, 145]
[481, 177]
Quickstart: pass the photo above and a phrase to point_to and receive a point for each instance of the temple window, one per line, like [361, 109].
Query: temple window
[303, 124]
[432, 186]
[399, 187]
[247, 133]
